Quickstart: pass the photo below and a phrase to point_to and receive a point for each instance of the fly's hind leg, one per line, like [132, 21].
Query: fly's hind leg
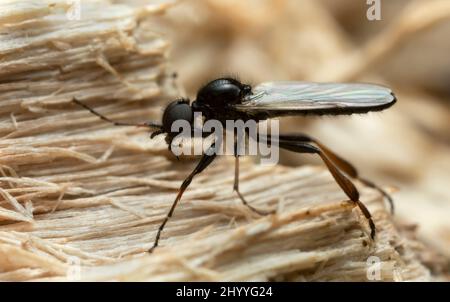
[386, 195]
[341, 163]
[346, 185]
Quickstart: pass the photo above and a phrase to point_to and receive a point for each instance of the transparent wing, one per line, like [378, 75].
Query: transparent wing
[292, 98]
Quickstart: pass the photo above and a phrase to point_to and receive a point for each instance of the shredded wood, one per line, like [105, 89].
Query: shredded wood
[82, 199]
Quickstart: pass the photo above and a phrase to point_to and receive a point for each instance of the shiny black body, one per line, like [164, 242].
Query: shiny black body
[216, 100]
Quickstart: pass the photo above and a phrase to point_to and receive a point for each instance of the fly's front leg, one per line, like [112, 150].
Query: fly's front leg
[150, 125]
[341, 163]
[205, 161]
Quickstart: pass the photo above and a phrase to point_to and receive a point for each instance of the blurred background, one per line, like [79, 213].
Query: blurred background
[405, 148]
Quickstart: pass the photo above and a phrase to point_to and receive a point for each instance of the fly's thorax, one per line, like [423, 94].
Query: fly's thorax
[222, 92]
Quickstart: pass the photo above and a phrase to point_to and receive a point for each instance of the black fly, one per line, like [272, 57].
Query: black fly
[228, 99]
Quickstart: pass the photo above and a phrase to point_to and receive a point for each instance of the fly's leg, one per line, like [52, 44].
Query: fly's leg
[386, 195]
[205, 161]
[346, 185]
[236, 188]
[115, 123]
[341, 163]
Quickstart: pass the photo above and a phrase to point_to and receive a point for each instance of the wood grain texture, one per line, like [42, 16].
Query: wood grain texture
[82, 200]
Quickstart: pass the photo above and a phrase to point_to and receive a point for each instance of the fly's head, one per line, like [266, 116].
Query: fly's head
[177, 114]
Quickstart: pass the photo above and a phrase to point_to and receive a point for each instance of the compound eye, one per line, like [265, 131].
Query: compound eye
[175, 111]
